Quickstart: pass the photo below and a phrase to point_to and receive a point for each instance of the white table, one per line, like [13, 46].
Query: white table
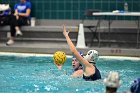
[116, 14]
[136, 14]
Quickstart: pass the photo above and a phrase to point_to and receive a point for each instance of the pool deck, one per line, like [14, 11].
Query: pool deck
[50, 48]
[45, 38]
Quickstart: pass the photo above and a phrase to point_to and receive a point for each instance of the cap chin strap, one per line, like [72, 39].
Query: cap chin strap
[80, 67]
[92, 62]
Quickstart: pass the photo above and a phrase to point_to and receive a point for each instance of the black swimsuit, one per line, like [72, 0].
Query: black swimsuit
[93, 77]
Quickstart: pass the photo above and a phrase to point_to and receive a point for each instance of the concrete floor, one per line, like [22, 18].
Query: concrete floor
[50, 48]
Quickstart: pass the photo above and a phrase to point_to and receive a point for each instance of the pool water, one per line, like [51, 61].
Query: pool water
[38, 74]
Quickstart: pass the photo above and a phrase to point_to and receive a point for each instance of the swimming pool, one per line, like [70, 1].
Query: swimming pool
[23, 73]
